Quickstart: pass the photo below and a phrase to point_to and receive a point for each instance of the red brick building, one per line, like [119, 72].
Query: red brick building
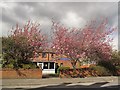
[47, 61]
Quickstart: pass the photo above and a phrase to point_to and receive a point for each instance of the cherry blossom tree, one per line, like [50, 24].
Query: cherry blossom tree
[30, 36]
[92, 41]
[23, 43]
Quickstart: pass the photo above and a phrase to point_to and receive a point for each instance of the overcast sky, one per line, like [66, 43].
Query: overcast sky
[71, 14]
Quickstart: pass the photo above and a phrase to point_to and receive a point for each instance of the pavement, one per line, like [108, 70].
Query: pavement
[36, 84]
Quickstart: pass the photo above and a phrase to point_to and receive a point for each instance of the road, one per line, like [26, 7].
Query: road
[36, 84]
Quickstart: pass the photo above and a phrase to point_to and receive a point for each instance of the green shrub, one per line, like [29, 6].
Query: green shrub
[26, 66]
[0, 66]
[108, 65]
[9, 66]
[118, 67]
[101, 71]
[29, 66]
[33, 65]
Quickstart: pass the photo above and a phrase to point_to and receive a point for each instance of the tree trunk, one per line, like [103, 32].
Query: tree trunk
[74, 67]
[74, 63]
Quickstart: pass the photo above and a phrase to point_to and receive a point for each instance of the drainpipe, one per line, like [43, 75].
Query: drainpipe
[48, 56]
[48, 61]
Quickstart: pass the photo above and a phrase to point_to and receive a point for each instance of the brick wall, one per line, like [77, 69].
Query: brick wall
[48, 57]
[67, 63]
[21, 73]
[81, 73]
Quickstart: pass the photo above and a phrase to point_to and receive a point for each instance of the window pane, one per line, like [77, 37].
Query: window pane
[51, 65]
[36, 55]
[44, 55]
[40, 66]
[52, 55]
[45, 65]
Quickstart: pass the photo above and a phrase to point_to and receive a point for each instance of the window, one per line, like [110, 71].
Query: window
[39, 54]
[52, 55]
[44, 55]
[51, 65]
[45, 65]
[36, 55]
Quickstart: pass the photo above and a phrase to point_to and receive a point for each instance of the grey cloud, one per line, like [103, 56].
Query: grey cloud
[48, 10]
[21, 12]
[7, 18]
[58, 10]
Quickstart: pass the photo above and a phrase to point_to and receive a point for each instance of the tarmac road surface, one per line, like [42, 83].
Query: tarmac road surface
[36, 84]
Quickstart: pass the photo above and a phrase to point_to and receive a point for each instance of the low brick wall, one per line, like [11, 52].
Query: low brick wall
[71, 73]
[21, 73]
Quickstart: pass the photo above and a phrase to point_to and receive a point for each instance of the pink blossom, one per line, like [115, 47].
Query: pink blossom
[78, 43]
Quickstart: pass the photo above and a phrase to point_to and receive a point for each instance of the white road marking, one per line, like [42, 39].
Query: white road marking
[86, 84]
[112, 83]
